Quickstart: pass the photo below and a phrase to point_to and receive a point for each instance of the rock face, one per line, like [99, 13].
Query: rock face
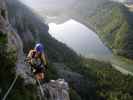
[14, 41]
[3, 17]
[56, 90]
[27, 24]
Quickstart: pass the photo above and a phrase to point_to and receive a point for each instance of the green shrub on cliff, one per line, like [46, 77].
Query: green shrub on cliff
[7, 73]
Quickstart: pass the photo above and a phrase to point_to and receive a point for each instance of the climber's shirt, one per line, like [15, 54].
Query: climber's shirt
[36, 60]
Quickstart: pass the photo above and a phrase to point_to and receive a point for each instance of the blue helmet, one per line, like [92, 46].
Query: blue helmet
[39, 47]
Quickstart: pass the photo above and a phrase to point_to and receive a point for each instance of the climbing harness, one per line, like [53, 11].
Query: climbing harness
[10, 88]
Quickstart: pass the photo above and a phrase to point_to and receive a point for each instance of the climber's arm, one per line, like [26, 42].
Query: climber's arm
[29, 56]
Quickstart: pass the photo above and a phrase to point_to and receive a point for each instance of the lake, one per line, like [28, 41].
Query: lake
[80, 38]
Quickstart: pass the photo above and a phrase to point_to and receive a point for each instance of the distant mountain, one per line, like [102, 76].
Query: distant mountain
[113, 22]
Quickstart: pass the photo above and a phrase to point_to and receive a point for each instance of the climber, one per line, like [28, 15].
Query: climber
[37, 59]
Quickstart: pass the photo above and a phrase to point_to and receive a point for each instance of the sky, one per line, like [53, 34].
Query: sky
[41, 2]
[120, 0]
[47, 4]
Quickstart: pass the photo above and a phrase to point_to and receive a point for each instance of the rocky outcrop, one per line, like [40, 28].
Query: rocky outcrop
[56, 90]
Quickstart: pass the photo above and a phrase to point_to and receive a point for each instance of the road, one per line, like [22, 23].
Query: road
[122, 66]
[122, 70]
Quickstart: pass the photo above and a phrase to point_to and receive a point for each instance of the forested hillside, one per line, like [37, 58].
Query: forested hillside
[110, 84]
[113, 22]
